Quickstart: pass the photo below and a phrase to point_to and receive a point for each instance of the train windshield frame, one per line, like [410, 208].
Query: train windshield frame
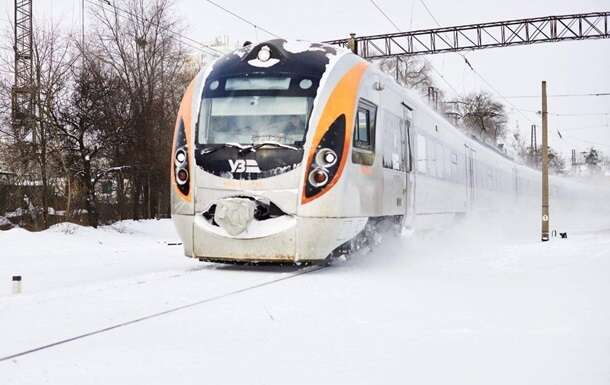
[253, 109]
[253, 119]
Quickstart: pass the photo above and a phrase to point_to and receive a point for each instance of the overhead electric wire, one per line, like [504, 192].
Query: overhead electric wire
[242, 18]
[200, 46]
[585, 127]
[429, 12]
[519, 110]
[399, 30]
[183, 38]
[384, 14]
[469, 65]
[562, 114]
[588, 141]
[559, 95]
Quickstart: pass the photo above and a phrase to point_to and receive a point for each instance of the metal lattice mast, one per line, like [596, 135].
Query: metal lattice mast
[23, 89]
[595, 25]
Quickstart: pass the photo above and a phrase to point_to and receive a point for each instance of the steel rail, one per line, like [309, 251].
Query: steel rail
[303, 271]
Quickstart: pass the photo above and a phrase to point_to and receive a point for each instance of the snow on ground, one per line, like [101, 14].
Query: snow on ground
[475, 303]
[68, 254]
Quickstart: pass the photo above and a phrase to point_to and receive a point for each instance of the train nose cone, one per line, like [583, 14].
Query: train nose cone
[234, 214]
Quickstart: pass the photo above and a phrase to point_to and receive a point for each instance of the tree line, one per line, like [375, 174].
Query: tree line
[97, 146]
[477, 113]
[480, 116]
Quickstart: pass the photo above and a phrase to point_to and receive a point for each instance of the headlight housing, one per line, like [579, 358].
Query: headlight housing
[182, 177]
[318, 177]
[180, 156]
[324, 165]
[181, 160]
[326, 157]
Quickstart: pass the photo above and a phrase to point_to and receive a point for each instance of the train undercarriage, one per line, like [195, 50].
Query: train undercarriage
[371, 235]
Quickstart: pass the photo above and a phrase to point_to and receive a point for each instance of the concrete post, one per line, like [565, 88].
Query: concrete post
[545, 167]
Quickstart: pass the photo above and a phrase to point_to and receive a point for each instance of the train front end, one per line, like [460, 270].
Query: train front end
[261, 142]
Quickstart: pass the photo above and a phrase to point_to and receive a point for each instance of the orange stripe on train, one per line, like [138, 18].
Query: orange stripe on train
[184, 113]
[342, 100]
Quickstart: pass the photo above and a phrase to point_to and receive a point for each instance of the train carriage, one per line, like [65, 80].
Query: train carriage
[289, 151]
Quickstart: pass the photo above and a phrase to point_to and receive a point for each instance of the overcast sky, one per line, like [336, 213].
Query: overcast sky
[568, 67]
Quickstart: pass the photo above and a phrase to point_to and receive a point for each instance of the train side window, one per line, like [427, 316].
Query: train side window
[421, 154]
[393, 141]
[364, 126]
[364, 133]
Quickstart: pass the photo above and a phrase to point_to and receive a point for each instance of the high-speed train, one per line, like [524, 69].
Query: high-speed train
[291, 151]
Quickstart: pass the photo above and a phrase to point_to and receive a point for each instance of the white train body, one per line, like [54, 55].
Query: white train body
[258, 132]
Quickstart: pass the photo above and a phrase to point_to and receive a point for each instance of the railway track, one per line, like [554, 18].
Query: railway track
[305, 270]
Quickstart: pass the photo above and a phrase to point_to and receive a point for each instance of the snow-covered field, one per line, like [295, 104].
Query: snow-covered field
[476, 303]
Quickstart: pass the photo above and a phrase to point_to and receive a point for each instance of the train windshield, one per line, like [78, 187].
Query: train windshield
[254, 119]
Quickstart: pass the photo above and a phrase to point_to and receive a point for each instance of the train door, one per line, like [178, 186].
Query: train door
[470, 174]
[409, 180]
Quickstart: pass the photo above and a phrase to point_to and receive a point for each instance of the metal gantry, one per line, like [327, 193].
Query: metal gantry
[593, 25]
[23, 88]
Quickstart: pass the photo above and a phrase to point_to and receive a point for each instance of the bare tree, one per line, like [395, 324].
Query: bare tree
[483, 116]
[79, 123]
[104, 112]
[31, 149]
[52, 63]
[593, 159]
[410, 72]
[135, 40]
[533, 156]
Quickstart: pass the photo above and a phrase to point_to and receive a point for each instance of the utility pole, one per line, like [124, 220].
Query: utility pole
[545, 167]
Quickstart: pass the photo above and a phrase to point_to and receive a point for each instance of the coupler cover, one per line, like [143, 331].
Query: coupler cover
[234, 214]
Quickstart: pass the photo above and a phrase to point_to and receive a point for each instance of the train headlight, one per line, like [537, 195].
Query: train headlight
[264, 53]
[326, 160]
[318, 177]
[182, 176]
[326, 157]
[180, 156]
[180, 161]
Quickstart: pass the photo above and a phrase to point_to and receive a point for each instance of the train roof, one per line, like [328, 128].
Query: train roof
[277, 56]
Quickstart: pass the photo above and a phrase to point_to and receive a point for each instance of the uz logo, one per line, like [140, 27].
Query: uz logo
[244, 165]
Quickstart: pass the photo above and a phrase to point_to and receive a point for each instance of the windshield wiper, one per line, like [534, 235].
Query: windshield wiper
[256, 146]
[210, 150]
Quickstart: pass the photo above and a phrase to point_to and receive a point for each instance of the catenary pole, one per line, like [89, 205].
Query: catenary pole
[545, 167]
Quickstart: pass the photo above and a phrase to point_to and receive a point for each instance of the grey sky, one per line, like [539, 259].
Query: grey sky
[570, 67]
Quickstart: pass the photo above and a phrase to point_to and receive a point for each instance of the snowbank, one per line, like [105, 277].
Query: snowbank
[68, 254]
[481, 302]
